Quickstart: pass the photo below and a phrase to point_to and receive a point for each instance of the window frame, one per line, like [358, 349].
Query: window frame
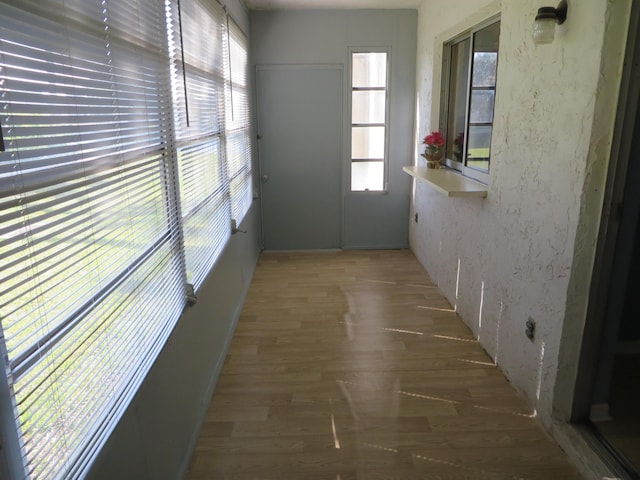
[171, 245]
[469, 34]
[99, 227]
[200, 145]
[387, 117]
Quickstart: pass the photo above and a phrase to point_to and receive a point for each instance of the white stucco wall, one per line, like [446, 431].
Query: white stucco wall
[511, 256]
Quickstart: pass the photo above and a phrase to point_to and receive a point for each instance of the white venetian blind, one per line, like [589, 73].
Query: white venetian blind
[238, 132]
[197, 77]
[92, 274]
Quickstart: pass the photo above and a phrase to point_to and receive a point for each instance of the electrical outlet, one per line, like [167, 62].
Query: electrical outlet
[530, 330]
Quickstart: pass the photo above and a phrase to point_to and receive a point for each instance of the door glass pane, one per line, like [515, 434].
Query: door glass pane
[368, 120]
[367, 142]
[485, 65]
[368, 106]
[459, 77]
[478, 150]
[481, 106]
[367, 176]
[369, 69]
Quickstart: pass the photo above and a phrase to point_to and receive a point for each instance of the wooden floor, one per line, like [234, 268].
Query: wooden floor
[351, 365]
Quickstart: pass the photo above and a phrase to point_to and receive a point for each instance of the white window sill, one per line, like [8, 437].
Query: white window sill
[447, 182]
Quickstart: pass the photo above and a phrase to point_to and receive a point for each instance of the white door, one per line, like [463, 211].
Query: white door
[300, 145]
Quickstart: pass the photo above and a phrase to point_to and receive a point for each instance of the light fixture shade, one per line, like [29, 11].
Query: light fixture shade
[544, 30]
[544, 27]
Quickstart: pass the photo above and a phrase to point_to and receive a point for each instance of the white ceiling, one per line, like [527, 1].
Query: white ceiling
[329, 4]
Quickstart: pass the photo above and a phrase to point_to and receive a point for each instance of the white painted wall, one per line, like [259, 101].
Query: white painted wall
[527, 249]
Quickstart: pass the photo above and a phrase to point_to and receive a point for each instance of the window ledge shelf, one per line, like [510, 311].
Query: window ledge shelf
[447, 182]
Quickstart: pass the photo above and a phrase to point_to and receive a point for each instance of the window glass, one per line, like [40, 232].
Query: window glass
[93, 279]
[198, 103]
[484, 69]
[470, 90]
[237, 123]
[367, 143]
[117, 190]
[481, 110]
[479, 146]
[369, 69]
[368, 120]
[458, 92]
[368, 106]
[367, 176]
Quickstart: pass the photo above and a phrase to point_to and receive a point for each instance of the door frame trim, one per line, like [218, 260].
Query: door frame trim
[601, 280]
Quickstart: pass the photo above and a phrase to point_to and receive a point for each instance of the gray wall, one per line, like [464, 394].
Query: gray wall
[324, 37]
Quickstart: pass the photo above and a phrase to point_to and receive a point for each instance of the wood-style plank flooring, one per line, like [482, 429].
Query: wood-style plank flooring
[351, 365]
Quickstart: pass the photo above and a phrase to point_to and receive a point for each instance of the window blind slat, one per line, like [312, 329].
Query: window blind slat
[198, 83]
[98, 352]
[87, 226]
[127, 154]
[238, 136]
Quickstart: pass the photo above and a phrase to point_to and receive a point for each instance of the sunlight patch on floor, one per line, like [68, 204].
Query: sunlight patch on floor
[437, 309]
[480, 312]
[454, 465]
[420, 286]
[380, 447]
[476, 362]
[427, 397]
[457, 339]
[336, 440]
[386, 329]
[379, 281]
[457, 285]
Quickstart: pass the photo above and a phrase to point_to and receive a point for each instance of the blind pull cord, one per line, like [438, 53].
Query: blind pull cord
[2, 149]
[184, 65]
[230, 73]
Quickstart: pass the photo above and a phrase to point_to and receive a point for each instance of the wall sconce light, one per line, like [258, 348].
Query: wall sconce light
[544, 27]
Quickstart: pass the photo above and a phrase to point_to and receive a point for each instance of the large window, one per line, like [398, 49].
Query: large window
[238, 126]
[115, 200]
[469, 88]
[369, 105]
[196, 45]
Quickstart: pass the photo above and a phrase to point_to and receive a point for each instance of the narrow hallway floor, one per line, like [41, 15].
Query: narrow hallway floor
[351, 365]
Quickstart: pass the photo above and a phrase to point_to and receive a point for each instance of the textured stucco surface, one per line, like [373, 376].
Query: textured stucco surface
[510, 256]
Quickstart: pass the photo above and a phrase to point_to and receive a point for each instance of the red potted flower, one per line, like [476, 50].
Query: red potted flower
[434, 149]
